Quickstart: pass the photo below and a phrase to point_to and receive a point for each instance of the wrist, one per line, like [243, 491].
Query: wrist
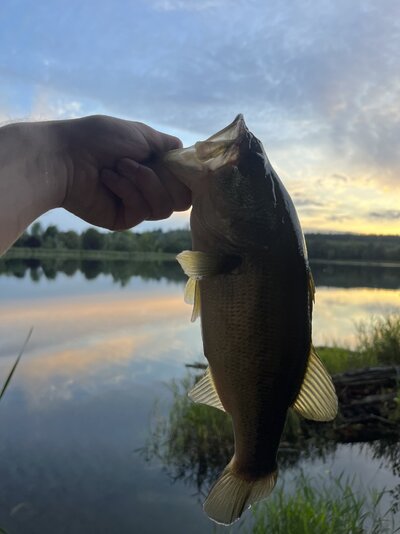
[32, 176]
[45, 170]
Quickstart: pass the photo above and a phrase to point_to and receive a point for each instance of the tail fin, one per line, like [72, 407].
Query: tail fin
[231, 495]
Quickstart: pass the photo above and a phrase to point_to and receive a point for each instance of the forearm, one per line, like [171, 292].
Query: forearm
[31, 180]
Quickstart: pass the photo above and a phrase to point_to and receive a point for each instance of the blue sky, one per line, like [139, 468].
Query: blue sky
[318, 83]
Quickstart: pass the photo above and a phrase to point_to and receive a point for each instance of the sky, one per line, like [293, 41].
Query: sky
[317, 82]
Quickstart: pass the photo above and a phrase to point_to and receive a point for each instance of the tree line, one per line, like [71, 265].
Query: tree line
[320, 246]
[52, 238]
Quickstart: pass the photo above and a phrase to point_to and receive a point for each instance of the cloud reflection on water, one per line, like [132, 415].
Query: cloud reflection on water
[93, 339]
[337, 311]
[81, 398]
[81, 339]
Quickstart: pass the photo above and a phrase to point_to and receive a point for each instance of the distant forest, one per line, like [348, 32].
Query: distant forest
[354, 247]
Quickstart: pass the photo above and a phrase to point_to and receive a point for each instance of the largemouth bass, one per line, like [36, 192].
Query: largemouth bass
[250, 281]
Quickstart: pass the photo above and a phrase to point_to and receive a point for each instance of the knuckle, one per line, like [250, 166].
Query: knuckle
[183, 203]
[162, 211]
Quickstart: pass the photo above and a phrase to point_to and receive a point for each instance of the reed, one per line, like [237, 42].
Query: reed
[379, 338]
[323, 506]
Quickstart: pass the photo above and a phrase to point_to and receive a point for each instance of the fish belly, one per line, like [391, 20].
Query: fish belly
[257, 335]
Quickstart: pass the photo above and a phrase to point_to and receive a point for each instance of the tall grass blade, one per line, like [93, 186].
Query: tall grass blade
[5, 385]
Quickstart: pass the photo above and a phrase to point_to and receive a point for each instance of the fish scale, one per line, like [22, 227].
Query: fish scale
[250, 282]
[245, 355]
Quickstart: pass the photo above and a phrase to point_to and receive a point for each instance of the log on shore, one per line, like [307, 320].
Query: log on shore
[368, 404]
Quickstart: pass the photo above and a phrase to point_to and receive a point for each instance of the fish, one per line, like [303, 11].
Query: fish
[249, 280]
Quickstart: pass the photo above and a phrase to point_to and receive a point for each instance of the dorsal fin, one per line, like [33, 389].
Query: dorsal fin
[317, 398]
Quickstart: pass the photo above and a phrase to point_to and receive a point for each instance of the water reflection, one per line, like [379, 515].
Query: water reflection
[337, 311]
[83, 337]
[194, 442]
[121, 271]
[342, 275]
[80, 402]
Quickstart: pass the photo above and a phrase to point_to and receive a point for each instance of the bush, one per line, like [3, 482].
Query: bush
[340, 360]
[380, 339]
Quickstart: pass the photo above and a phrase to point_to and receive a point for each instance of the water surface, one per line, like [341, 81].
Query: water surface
[106, 342]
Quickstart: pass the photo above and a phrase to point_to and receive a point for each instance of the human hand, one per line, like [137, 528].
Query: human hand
[112, 177]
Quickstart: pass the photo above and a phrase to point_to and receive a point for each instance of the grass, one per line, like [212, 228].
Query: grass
[8, 380]
[321, 507]
[378, 343]
[194, 442]
[379, 338]
[339, 360]
[13, 368]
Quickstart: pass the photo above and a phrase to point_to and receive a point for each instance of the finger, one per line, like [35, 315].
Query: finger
[179, 194]
[149, 185]
[159, 142]
[134, 208]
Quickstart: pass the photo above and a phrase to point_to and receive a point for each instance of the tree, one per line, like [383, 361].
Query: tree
[51, 237]
[37, 230]
[71, 240]
[93, 240]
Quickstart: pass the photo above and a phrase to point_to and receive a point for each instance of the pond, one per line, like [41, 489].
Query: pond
[108, 340]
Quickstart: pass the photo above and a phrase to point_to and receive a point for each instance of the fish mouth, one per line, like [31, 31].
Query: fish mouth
[230, 132]
[223, 147]
[219, 150]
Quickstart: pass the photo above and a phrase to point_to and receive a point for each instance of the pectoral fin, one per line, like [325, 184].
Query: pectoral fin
[317, 399]
[199, 265]
[192, 296]
[205, 392]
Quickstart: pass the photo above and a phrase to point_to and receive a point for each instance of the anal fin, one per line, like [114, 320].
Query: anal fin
[205, 392]
[317, 398]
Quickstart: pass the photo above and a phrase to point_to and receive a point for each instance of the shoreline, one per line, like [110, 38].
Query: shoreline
[114, 255]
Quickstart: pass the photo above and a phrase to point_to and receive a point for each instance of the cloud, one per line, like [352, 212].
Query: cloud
[385, 214]
[301, 200]
[339, 178]
[187, 5]
[49, 106]
[292, 68]
[318, 83]
[340, 217]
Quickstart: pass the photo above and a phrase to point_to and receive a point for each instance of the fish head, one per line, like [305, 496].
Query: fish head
[234, 189]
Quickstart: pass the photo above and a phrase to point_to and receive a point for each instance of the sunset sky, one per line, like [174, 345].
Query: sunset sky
[317, 82]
